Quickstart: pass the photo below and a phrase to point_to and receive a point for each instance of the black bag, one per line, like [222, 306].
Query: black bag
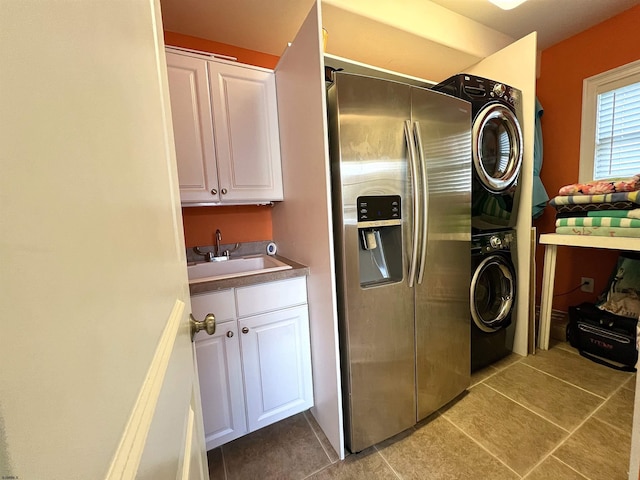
[600, 335]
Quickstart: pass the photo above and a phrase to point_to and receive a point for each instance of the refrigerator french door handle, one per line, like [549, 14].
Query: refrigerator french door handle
[425, 200]
[417, 211]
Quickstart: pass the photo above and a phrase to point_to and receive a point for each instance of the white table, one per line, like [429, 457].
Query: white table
[552, 240]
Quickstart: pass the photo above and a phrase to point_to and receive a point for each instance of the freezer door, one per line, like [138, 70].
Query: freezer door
[368, 155]
[442, 128]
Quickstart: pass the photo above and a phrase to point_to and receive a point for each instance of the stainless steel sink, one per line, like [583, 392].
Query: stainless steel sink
[235, 267]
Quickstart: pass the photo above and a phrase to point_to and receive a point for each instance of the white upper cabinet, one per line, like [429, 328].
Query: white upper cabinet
[192, 128]
[245, 113]
[225, 121]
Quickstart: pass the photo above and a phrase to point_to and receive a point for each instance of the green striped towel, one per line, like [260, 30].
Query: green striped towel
[598, 222]
[635, 213]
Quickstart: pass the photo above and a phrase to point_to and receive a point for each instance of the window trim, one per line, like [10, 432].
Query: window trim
[591, 88]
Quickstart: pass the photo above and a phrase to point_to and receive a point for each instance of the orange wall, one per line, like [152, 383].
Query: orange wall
[238, 224]
[248, 223]
[243, 55]
[563, 68]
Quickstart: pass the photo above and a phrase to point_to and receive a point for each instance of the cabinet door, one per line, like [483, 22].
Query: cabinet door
[277, 365]
[246, 129]
[220, 374]
[192, 128]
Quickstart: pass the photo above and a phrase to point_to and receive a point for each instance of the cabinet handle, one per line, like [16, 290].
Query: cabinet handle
[245, 329]
[223, 191]
[229, 334]
[214, 191]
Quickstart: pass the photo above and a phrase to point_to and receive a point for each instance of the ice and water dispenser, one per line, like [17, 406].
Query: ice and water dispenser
[380, 239]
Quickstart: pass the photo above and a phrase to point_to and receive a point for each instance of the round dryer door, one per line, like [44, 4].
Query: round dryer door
[493, 291]
[497, 147]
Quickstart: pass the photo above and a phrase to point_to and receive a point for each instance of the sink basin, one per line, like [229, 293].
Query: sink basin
[234, 267]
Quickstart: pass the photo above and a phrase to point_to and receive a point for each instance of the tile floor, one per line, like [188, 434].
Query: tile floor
[554, 415]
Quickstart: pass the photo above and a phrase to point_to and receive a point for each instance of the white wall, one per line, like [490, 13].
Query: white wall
[302, 224]
[515, 65]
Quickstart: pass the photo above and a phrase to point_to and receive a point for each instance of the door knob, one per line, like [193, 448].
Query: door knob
[245, 330]
[214, 191]
[223, 191]
[208, 324]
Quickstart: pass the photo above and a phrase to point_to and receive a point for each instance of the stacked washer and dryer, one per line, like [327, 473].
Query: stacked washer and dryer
[497, 160]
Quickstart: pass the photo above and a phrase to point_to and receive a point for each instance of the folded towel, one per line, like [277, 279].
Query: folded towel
[611, 185]
[580, 209]
[600, 231]
[606, 198]
[598, 222]
[634, 213]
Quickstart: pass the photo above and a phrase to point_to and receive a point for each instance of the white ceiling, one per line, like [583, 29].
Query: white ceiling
[554, 20]
[267, 25]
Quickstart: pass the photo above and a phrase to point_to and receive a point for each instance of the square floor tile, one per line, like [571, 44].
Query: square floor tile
[365, 465]
[328, 448]
[437, 450]
[562, 345]
[514, 434]
[578, 371]
[216, 465]
[597, 450]
[553, 469]
[618, 410]
[506, 361]
[285, 450]
[557, 401]
[631, 383]
[482, 374]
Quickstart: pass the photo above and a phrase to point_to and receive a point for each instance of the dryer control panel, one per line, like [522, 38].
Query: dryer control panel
[472, 88]
[490, 242]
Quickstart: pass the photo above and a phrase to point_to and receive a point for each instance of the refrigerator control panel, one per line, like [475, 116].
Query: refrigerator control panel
[379, 210]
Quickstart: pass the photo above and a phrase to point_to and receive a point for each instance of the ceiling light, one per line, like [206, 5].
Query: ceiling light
[507, 4]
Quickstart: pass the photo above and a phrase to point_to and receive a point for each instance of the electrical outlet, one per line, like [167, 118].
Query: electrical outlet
[587, 284]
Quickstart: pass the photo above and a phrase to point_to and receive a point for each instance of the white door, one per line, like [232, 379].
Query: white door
[97, 377]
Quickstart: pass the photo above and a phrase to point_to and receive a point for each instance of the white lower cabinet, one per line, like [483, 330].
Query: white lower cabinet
[220, 374]
[277, 365]
[256, 368]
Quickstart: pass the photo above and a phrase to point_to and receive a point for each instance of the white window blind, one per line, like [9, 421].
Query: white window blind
[610, 129]
[617, 142]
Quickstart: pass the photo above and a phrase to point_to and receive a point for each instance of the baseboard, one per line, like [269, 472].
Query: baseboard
[558, 324]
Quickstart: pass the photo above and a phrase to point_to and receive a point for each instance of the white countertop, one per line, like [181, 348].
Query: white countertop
[615, 243]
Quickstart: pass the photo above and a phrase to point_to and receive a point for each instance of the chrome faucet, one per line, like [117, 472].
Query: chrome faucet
[216, 251]
[216, 255]
[208, 256]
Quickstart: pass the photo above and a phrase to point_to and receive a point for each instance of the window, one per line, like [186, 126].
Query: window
[610, 138]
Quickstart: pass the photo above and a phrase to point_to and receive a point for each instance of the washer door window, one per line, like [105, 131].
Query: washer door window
[493, 290]
[497, 147]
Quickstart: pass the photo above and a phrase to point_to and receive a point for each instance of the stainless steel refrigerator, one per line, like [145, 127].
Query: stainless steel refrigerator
[401, 182]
